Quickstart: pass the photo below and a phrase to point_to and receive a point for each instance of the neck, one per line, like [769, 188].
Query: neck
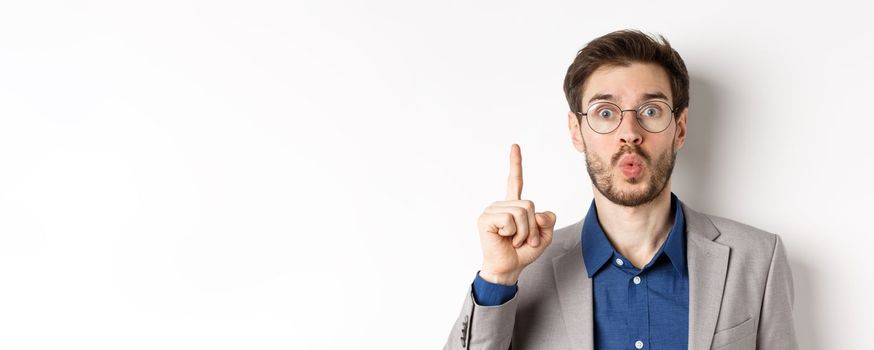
[636, 232]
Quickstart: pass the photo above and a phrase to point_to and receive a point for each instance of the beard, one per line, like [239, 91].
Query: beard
[660, 173]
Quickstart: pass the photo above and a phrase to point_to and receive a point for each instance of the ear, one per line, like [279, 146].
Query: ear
[575, 132]
[680, 134]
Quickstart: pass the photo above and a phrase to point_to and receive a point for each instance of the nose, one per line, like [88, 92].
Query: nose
[629, 130]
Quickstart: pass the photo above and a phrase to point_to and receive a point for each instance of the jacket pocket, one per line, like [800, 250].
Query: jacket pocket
[734, 334]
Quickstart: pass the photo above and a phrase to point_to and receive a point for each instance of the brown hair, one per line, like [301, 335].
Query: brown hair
[622, 48]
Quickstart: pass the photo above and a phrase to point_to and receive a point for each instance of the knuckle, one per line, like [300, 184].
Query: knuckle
[482, 217]
[520, 211]
[507, 218]
[524, 215]
[528, 204]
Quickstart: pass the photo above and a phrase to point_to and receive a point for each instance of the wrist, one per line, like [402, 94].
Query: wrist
[507, 279]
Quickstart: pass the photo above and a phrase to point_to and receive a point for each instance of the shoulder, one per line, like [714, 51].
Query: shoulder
[746, 241]
[732, 230]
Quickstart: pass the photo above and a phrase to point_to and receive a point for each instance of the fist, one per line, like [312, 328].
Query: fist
[512, 233]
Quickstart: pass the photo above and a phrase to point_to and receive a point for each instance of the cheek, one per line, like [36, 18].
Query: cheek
[663, 149]
[600, 150]
[595, 142]
[666, 141]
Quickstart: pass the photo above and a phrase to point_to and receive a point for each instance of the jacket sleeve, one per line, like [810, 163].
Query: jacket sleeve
[483, 327]
[776, 323]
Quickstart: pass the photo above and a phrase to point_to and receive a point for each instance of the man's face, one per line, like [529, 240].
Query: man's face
[629, 166]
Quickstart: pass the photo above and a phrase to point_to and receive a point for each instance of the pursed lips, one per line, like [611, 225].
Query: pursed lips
[631, 165]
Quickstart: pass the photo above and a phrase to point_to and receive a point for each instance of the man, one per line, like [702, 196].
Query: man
[642, 270]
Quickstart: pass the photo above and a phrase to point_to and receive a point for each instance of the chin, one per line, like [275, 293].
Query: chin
[634, 180]
[635, 191]
[632, 186]
[637, 181]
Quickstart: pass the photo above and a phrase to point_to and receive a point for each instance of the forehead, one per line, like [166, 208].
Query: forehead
[627, 84]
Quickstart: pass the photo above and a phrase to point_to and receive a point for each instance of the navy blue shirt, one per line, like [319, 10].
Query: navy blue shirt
[634, 308]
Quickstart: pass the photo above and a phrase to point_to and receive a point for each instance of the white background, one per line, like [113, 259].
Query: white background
[275, 175]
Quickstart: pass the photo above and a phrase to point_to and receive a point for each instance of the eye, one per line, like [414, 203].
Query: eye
[651, 111]
[604, 111]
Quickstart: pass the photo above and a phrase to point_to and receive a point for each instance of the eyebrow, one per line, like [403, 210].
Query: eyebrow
[646, 96]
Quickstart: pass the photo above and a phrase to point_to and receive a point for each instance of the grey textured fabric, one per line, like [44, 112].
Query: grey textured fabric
[740, 294]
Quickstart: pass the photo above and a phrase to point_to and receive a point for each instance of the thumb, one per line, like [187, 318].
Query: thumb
[545, 222]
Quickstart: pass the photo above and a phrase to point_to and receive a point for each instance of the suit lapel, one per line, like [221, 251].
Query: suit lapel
[707, 262]
[575, 296]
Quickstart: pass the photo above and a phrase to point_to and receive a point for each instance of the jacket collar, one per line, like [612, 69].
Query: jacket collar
[707, 263]
[597, 249]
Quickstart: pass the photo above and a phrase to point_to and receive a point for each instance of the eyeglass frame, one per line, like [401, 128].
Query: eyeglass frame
[636, 111]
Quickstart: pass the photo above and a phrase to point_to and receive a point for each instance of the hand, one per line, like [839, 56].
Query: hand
[511, 233]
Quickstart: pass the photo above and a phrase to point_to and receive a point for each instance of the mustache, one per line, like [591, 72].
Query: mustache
[630, 150]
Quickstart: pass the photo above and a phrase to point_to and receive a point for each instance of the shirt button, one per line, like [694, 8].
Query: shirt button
[637, 281]
[619, 262]
[638, 344]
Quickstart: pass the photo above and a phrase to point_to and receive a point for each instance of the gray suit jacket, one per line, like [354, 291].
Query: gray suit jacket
[740, 294]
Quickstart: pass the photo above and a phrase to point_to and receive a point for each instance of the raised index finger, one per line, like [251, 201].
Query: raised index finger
[514, 181]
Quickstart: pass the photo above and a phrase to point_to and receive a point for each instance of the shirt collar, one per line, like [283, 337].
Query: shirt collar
[597, 250]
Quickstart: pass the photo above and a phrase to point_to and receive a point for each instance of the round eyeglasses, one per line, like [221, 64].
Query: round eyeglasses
[604, 117]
